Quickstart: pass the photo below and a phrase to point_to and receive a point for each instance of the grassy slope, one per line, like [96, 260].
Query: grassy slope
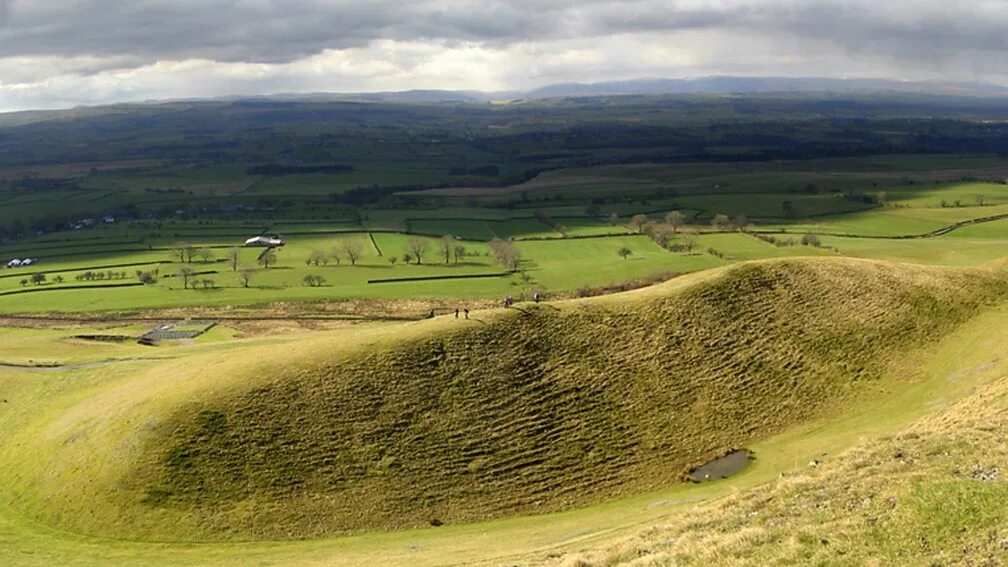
[462, 421]
[930, 493]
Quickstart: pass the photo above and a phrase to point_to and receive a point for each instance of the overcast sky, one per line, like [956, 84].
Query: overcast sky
[60, 53]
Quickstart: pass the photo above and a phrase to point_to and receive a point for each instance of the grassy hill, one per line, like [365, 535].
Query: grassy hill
[536, 409]
[930, 493]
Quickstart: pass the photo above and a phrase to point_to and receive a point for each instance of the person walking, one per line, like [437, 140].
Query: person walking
[456, 312]
[466, 310]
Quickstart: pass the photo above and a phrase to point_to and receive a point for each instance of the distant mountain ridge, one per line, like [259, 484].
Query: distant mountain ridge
[751, 85]
[664, 86]
[635, 87]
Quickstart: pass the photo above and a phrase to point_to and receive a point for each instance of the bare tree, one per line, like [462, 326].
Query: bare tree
[337, 253]
[416, 247]
[662, 234]
[233, 255]
[245, 276]
[504, 253]
[741, 223]
[316, 257]
[624, 252]
[674, 219]
[445, 245]
[267, 258]
[459, 251]
[721, 222]
[187, 274]
[206, 255]
[184, 253]
[613, 219]
[353, 250]
[637, 222]
[689, 240]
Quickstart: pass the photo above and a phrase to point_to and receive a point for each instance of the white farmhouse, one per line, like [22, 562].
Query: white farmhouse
[264, 241]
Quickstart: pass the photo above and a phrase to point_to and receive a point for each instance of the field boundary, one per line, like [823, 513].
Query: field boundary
[432, 278]
[67, 287]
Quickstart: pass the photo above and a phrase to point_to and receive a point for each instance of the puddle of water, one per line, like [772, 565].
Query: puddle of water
[722, 467]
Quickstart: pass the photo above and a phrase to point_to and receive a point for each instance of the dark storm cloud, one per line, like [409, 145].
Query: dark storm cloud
[281, 31]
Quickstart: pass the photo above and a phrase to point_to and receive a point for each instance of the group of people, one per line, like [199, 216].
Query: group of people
[508, 302]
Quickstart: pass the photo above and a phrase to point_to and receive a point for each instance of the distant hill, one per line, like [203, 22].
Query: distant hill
[746, 85]
[634, 87]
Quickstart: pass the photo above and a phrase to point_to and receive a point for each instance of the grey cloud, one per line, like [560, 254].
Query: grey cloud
[73, 50]
[282, 31]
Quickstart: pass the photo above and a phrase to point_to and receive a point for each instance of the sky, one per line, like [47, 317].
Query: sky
[64, 53]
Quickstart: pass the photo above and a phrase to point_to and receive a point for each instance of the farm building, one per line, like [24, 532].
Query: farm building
[18, 263]
[264, 241]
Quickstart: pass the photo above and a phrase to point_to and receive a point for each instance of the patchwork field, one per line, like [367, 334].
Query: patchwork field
[567, 242]
[825, 314]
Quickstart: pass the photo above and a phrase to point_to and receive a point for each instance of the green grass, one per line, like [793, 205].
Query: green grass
[913, 495]
[43, 406]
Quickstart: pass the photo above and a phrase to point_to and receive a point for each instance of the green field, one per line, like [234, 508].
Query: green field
[83, 423]
[842, 319]
[576, 250]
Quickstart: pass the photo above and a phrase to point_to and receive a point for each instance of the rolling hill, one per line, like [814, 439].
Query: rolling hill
[536, 409]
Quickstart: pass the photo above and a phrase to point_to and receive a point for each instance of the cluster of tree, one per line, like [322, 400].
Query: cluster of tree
[313, 280]
[451, 249]
[187, 253]
[350, 250]
[810, 239]
[148, 277]
[415, 249]
[722, 223]
[505, 253]
[778, 242]
[979, 200]
[39, 279]
[188, 277]
[89, 276]
[186, 274]
[670, 235]
[716, 253]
